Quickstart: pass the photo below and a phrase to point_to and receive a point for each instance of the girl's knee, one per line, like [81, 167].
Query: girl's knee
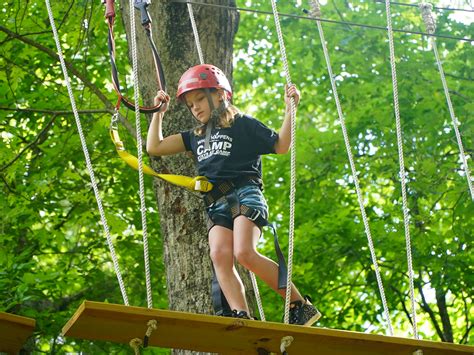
[221, 257]
[246, 257]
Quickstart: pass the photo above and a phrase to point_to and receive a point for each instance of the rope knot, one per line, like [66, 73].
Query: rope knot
[428, 17]
[152, 325]
[135, 344]
[285, 343]
[315, 8]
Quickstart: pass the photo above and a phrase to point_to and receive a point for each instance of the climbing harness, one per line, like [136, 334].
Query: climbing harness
[316, 13]
[227, 189]
[87, 156]
[291, 231]
[430, 24]
[140, 5]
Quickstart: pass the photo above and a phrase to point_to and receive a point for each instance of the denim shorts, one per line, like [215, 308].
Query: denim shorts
[251, 196]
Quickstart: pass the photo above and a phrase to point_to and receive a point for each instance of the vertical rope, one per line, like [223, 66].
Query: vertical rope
[196, 33]
[430, 28]
[257, 296]
[316, 12]
[86, 155]
[406, 217]
[140, 153]
[292, 162]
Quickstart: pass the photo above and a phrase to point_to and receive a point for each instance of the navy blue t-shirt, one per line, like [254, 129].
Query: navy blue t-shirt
[234, 151]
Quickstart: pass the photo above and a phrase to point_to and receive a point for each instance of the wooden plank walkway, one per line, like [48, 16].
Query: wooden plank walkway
[179, 330]
[14, 330]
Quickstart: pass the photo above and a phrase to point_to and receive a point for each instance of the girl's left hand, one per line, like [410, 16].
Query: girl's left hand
[163, 98]
[292, 91]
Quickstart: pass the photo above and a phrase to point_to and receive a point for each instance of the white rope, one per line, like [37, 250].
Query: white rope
[257, 296]
[406, 217]
[316, 12]
[292, 163]
[136, 344]
[140, 153]
[430, 28]
[285, 343]
[196, 33]
[86, 155]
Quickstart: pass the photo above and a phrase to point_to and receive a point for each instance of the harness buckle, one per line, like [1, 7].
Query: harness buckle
[145, 16]
[254, 215]
[114, 119]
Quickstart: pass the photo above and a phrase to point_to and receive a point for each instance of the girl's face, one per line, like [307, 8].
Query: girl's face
[198, 103]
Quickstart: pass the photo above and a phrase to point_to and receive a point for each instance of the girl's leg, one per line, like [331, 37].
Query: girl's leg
[222, 256]
[246, 236]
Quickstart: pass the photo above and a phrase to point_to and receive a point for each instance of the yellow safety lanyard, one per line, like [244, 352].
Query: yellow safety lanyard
[198, 183]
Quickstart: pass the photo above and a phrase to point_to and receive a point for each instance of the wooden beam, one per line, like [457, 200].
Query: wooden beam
[14, 330]
[179, 330]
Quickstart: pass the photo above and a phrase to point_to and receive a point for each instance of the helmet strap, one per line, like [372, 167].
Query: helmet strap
[213, 118]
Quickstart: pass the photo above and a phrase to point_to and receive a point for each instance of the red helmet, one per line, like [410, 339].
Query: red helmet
[203, 76]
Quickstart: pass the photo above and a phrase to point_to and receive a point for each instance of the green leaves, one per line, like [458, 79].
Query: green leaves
[53, 252]
[329, 233]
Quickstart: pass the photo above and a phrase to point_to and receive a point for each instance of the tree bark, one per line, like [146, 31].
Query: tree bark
[186, 254]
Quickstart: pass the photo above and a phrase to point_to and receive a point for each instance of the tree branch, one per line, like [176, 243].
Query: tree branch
[457, 93]
[56, 112]
[465, 336]
[402, 301]
[87, 83]
[458, 77]
[31, 144]
[443, 311]
[69, 66]
[426, 307]
[11, 189]
[340, 15]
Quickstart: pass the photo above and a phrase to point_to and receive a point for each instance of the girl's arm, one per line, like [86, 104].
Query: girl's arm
[283, 143]
[155, 144]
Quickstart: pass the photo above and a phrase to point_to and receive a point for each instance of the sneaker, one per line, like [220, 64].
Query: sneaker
[303, 313]
[241, 314]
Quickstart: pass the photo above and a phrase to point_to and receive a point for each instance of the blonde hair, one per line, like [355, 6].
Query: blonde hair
[226, 119]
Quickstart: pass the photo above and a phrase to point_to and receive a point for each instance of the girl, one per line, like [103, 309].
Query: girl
[228, 146]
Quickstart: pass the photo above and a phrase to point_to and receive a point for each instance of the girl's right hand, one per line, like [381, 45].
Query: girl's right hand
[163, 98]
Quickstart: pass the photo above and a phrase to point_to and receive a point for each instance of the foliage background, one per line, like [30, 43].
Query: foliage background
[52, 250]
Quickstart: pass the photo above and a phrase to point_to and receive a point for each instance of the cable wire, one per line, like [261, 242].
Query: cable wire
[434, 7]
[87, 156]
[374, 27]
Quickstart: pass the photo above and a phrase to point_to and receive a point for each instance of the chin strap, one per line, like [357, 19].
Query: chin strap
[214, 117]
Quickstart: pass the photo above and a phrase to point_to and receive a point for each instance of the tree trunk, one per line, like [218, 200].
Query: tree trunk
[186, 254]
